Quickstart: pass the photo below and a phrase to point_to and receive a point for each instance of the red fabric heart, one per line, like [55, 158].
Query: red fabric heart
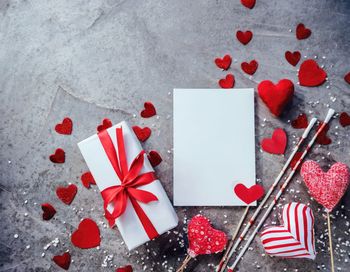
[227, 82]
[327, 188]
[67, 194]
[249, 195]
[310, 74]
[48, 211]
[344, 119]
[59, 156]
[142, 133]
[302, 32]
[250, 68]
[244, 37]
[87, 235]
[300, 122]
[248, 3]
[203, 238]
[149, 110]
[63, 260]
[276, 97]
[322, 138]
[293, 58]
[106, 123]
[127, 268]
[154, 158]
[347, 78]
[224, 63]
[87, 179]
[295, 159]
[277, 143]
[65, 127]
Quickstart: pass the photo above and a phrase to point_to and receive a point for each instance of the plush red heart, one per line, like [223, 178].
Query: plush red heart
[87, 235]
[154, 158]
[48, 211]
[142, 133]
[203, 238]
[67, 194]
[59, 156]
[295, 159]
[248, 3]
[249, 195]
[127, 268]
[65, 127]
[310, 74]
[322, 138]
[347, 78]
[344, 119]
[277, 143]
[300, 122]
[302, 32]
[63, 260]
[149, 110]
[87, 179]
[293, 58]
[276, 97]
[224, 63]
[106, 123]
[250, 68]
[244, 37]
[327, 188]
[227, 82]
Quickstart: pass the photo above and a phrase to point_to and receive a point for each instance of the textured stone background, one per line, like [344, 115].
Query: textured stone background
[103, 58]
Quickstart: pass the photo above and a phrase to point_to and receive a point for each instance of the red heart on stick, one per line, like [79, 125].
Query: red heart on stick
[67, 194]
[87, 179]
[106, 123]
[59, 156]
[293, 58]
[277, 143]
[300, 122]
[127, 268]
[244, 37]
[248, 3]
[65, 127]
[224, 63]
[302, 32]
[149, 110]
[142, 133]
[227, 82]
[63, 260]
[87, 235]
[250, 68]
[249, 195]
[347, 78]
[154, 158]
[49, 211]
[310, 74]
[344, 119]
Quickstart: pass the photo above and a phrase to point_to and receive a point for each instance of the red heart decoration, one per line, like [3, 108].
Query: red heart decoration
[59, 156]
[293, 58]
[227, 82]
[67, 194]
[142, 133]
[248, 3]
[327, 188]
[244, 37]
[344, 119]
[127, 268]
[250, 68]
[106, 123]
[154, 158]
[300, 122]
[63, 260]
[302, 32]
[295, 159]
[277, 143]
[87, 235]
[249, 195]
[65, 127]
[276, 97]
[87, 179]
[224, 63]
[49, 211]
[322, 138]
[203, 238]
[310, 74]
[347, 78]
[149, 110]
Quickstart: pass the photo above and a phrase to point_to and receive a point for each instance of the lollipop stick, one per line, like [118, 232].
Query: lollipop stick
[184, 263]
[330, 241]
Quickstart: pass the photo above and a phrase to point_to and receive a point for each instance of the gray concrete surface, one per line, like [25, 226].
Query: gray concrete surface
[103, 58]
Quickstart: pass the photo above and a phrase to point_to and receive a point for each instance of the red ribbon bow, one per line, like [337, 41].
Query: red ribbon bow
[130, 179]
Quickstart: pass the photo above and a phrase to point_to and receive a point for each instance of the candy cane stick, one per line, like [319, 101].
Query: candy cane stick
[279, 193]
[232, 248]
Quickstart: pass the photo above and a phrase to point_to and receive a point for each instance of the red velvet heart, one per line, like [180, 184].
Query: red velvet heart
[142, 133]
[244, 37]
[347, 78]
[59, 156]
[227, 82]
[295, 159]
[65, 127]
[127, 268]
[224, 63]
[149, 110]
[302, 32]
[277, 143]
[87, 235]
[344, 119]
[249, 195]
[106, 123]
[276, 97]
[248, 3]
[67, 194]
[322, 138]
[250, 68]
[48, 211]
[300, 122]
[87, 179]
[154, 158]
[310, 74]
[63, 260]
[293, 58]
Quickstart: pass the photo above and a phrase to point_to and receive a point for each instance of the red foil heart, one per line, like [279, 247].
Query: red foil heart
[142, 133]
[59, 156]
[244, 37]
[292, 58]
[344, 119]
[295, 159]
[65, 127]
[248, 3]
[87, 179]
[249, 195]
[48, 211]
[127, 268]
[310, 74]
[63, 260]
[154, 158]
[149, 110]
[302, 32]
[67, 194]
[277, 144]
[347, 78]
[228, 82]
[300, 122]
[250, 68]
[106, 123]
[87, 235]
[224, 63]
[322, 138]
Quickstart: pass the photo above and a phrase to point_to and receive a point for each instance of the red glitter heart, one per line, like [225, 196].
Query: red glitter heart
[227, 82]
[347, 78]
[250, 68]
[65, 127]
[322, 138]
[249, 195]
[142, 133]
[127, 268]
[87, 179]
[87, 235]
[59, 156]
[277, 143]
[48, 211]
[106, 123]
[302, 32]
[293, 58]
[224, 63]
[63, 260]
[300, 122]
[344, 119]
[310, 74]
[244, 37]
[67, 194]
[248, 3]
[149, 110]
[154, 158]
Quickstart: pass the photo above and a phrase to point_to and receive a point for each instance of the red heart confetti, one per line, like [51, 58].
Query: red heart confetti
[87, 235]
[142, 133]
[295, 159]
[347, 78]
[224, 63]
[344, 119]
[59, 156]
[65, 127]
[48, 211]
[293, 57]
[87, 179]
[302, 32]
[149, 110]
[67, 194]
[250, 68]
[322, 138]
[227, 82]
[248, 3]
[249, 195]
[310, 74]
[127, 268]
[244, 37]
[106, 123]
[154, 158]
[63, 260]
[277, 143]
[300, 122]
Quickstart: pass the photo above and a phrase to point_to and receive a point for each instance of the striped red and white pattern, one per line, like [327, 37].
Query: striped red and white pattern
[295, 239]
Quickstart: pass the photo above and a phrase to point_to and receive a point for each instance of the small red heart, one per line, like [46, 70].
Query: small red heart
[244, 37]
[149, 110]
[276, 97]
[248, 3]
[277, 143]
[224, 63]
[63, 260]
[87, 235]
[302, 32]
[310, 74]
[127, 268]
[227, 82]
[295, 159]
[67, 194]
[87, 179]
[250, 68]
[106, 123]
[154, 158]
[249, 195]
[344, 119]
[300, 122]
[322, 138]
[347, 78]
[59, 156]
[142, 133]
[49, 211]
[65, 127]
[293, 58]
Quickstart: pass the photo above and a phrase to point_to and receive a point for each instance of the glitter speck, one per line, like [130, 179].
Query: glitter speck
[15, 236]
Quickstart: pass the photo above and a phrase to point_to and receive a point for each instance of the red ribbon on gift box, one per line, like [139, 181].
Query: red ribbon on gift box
[130, 178]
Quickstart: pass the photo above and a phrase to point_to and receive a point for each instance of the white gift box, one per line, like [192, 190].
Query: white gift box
[161, 213]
